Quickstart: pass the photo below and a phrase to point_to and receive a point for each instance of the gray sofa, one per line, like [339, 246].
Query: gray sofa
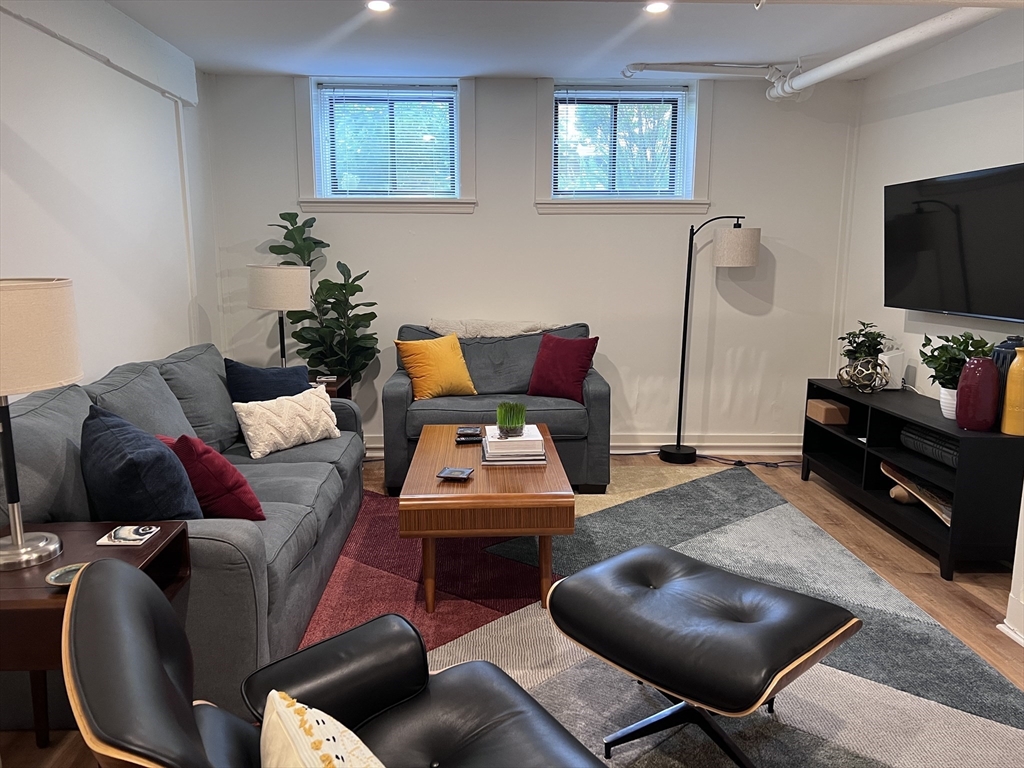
[254, 585]
[500, 368]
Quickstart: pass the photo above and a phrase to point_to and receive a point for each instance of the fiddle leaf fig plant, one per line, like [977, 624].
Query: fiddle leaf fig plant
[297, 243]
[947, 359]
[336, 341]
[864, 342]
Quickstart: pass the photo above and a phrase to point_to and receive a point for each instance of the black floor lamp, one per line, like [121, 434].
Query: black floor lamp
[735, 247]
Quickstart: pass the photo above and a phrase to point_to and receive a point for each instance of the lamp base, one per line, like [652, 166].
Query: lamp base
[677, 454]
[39, 547]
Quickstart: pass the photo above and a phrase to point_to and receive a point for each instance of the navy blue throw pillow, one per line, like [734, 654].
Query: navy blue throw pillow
[247, 384]
[130, 476]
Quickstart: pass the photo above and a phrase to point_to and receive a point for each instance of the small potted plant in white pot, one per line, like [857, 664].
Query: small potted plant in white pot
[862, 348]
[947, 361]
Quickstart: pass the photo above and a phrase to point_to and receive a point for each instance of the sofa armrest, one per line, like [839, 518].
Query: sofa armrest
[348, 414]
[352, 676]
[396, 397]
[227, 607]
[597, 397]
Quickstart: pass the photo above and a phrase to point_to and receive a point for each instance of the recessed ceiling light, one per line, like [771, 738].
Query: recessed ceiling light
[656, 7]
[379, 5]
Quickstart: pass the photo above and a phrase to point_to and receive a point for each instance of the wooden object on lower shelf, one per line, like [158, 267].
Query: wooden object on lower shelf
[985, 487]
[828, 412]
[32, 612]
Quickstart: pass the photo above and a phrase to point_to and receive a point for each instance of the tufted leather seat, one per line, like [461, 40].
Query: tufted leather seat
[128, 670]
[702, 635]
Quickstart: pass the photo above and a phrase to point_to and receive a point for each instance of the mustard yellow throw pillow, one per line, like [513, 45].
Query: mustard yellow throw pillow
[297, 736]
[436, 367]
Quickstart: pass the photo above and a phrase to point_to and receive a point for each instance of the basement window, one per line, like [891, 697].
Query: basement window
[386, 147]
[621, 149]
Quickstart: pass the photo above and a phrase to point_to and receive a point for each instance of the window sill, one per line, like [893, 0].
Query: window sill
[575, 205]
[386, 205]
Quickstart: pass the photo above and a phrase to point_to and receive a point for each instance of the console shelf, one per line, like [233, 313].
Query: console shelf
[985, 486]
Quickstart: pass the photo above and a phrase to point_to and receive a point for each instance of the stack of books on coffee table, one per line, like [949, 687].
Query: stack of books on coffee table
[525, 450]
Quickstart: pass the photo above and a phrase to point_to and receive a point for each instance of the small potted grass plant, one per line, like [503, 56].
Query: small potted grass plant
[511, 418]
[947, 362]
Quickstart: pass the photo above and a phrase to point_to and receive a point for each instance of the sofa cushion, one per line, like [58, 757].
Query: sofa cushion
[436, 367]
[312, 485]
[345, 453]
[47, 430]
[284, 422]
[196, 377]
[289, 536]
[131, 476]
[561, 367]
[247, 383]
[499, 366]
[295, 735]
[565, 418]
[137, 393]
[221, 489]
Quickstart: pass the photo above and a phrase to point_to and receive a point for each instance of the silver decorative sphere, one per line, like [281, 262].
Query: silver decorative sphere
[868, 375]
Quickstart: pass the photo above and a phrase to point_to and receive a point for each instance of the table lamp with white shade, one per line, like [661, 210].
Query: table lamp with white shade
[280, 287]
[38, 350]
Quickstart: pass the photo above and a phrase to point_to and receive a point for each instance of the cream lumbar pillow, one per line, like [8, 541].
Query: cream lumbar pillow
[297, 736]
[273, 425]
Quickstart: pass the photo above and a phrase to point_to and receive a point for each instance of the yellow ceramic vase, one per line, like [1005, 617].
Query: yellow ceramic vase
[1013, 406]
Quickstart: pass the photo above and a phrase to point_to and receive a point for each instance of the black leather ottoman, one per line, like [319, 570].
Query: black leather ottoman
[710, 640]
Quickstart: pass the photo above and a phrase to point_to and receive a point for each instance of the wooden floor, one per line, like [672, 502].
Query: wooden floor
[970, 606]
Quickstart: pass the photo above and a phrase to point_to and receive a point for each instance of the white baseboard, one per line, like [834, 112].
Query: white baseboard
[1011, 633]
[719, 445]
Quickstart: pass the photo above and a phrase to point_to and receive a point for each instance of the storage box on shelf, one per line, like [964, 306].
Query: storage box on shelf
[985, 486]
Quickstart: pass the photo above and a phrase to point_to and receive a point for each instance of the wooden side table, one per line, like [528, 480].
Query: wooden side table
[32, 612]
[340, 388]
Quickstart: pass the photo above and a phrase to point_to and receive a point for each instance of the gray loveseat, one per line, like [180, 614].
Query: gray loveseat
[254, 585]
[500, 368]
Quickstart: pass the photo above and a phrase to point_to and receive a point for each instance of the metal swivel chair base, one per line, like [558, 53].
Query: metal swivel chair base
[681, 713]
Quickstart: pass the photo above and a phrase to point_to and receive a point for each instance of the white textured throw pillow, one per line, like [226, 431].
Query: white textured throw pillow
[273, 425]
[297, 736]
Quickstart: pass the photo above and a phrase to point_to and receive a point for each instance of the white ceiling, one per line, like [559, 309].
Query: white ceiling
[499, 38]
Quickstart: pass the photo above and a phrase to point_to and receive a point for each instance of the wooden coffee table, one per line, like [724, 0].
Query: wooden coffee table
[494, 501]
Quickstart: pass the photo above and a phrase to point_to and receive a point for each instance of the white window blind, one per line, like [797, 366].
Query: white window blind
[621, 144]
[386, 141]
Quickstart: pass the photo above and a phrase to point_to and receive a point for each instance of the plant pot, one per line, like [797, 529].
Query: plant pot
[977, 398]
[947, 402]
[511, 431]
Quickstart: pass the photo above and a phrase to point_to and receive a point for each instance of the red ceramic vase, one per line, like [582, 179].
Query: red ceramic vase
[977, 395]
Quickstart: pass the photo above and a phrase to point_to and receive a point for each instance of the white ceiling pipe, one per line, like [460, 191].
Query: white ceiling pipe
[959, 19]
[702, 68]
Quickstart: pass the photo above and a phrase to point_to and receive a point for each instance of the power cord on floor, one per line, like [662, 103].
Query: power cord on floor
[742, 463]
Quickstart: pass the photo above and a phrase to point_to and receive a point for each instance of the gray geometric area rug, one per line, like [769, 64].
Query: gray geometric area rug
[903, 692]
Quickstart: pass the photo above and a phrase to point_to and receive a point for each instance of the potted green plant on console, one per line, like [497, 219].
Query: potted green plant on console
[861, 349]
[947, 361]
[335, 342]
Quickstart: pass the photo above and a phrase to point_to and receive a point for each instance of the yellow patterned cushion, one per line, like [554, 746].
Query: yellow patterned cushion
[297, 736]
[436, 367]
[273, 425]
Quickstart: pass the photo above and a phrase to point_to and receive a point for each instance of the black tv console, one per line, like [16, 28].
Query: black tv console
[985, 486]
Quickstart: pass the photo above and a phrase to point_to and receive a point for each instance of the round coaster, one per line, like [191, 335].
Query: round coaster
[63, 576]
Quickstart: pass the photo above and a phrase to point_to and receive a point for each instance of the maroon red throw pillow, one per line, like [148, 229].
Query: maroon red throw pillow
[221, 489]
[561, 366]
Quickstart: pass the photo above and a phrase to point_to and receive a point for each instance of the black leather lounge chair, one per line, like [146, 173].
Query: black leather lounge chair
[128, 670]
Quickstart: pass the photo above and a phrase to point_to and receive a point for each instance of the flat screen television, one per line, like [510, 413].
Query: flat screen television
[955, 244]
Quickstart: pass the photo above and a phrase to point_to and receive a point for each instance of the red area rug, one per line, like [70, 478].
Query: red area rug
[380, 573]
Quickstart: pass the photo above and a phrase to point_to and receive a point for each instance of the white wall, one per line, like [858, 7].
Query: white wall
[955, 107]
[91, 189]
[756, 335]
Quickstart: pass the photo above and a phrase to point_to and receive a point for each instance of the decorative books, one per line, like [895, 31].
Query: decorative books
[530, 441]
